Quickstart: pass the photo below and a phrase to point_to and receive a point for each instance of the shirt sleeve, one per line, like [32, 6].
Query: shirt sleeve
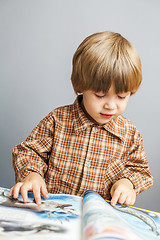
[32, 155]
[136, 167]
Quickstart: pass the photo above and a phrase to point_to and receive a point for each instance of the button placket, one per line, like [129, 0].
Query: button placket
[94, 130]
[89, 155]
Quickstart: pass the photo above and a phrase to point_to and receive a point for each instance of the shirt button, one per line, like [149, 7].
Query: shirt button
[95, 130]
[88, 164]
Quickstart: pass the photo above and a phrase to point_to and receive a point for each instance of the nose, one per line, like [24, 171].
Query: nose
[110, 104]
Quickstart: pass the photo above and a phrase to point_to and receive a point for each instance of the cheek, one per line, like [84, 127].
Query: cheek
[88, 105]
[91, 108]
[120, 107]
[123, 107]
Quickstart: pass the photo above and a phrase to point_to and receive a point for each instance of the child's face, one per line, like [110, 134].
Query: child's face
[101, 107]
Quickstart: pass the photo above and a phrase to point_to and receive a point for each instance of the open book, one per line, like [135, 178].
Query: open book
[68, 217]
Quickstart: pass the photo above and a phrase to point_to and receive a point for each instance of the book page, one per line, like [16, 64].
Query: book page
[100, 221]
[144, 222]
[58, 217]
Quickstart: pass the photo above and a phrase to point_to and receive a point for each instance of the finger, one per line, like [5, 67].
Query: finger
[130, 201]
[44, 191]
[122, 198]
[115, 198]
[15, 190]
[24, 192]
[37, 195]
[10, 192]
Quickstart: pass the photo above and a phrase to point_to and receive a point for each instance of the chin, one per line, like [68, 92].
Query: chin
[103, 122]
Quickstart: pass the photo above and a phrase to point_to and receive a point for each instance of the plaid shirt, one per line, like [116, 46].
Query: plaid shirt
[74, 154]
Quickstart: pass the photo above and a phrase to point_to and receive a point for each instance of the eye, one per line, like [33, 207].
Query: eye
[121, 97]
[99, 96]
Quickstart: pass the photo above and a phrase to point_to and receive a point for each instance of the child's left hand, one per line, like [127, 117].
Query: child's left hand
[122, 192]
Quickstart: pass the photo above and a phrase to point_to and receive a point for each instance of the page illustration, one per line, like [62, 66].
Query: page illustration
[58, 216]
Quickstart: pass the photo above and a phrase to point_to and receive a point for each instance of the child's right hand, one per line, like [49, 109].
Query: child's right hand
[33, 182]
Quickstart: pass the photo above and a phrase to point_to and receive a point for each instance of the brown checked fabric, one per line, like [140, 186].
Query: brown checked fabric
[74, 154]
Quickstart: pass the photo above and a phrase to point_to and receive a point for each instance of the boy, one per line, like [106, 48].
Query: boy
[89, 144]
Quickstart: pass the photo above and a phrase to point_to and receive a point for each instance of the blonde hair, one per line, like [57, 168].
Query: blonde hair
[103, 58]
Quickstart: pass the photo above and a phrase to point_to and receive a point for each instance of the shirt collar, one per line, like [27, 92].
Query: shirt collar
[81, 122]
[117, 127]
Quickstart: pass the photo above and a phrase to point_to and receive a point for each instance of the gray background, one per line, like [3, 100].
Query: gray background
[37, 41]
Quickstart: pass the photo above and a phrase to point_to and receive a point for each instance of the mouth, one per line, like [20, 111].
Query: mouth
[107, 116]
